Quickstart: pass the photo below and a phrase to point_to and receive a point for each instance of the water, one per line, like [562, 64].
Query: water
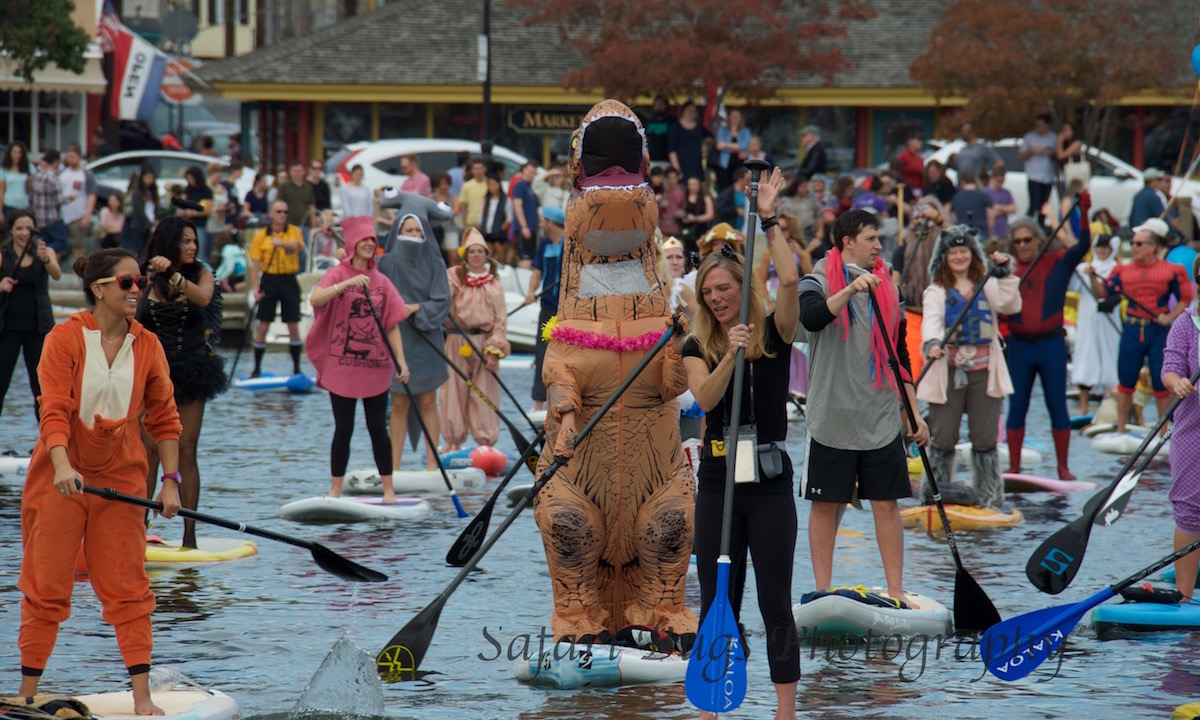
[260, 628]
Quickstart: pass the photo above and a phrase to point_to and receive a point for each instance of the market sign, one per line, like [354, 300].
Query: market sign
[545, 120]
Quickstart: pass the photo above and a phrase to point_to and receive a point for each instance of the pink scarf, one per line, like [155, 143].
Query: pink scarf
[889, 306]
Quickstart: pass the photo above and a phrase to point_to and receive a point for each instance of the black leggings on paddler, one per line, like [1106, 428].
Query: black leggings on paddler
[766, 523]
[375, 408]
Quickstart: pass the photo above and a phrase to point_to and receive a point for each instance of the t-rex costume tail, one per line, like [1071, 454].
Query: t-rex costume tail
[617, 521]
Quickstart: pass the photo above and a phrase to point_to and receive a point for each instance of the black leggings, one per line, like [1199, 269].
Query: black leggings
[766, 523]
[11, 343]
[375, 408]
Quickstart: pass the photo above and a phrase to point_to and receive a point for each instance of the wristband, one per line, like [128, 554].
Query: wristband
[176, 280]
[172, 476]
[769, 223]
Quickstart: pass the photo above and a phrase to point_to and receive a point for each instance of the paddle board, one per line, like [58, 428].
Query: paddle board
[567, 666]
[13, 465]
[267, 381]
[184, 701]
[1029, 456]
[840, 615]
[342, 509]
[537, 417]
[1081, 421]
[462, 459]
[1021, 483]
[1125, 444]
[365, 481]
[1101, 428]
[1169, 577]
[516, 492]
[962, 517]
[915, 466]
[518, 361]
[1115, 621]
[169, 553]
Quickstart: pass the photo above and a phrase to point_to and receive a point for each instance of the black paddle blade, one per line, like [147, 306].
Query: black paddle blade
[973, 609]
[1054, 564]
[335, 564]
[472, 537]
[399, 659]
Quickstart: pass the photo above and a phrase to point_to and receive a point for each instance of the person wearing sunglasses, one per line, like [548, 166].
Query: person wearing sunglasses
[101, 372]
[1037, 344]
[175, 309]
[26, 266]
[1148, 283]
[274, 263]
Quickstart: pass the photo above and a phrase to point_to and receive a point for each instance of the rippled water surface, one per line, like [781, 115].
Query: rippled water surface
[259, 628]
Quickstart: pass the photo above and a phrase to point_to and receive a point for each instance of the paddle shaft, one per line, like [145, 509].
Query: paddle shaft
[739, 362]
[468, 540]
[434, 609]
[1120, 496]
[1087, 285]
[111, 494]
[536, 295]
[1152, 313]
[517, 437]
[958, 321]
[894, 362]
[433, 448]
[475, 349]
[1050, 239]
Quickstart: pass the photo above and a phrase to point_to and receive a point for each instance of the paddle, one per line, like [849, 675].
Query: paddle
[517, 438]
[472, 535]
[1087, 285]
[400, 658]
[1152, 313]
[716, 671]
[958, 321]
[536, 295]
[1050, 239]
[973, 609]
[481, 356]
[1048, 628]
[328, 560]
[1054, 564]
[420, 420]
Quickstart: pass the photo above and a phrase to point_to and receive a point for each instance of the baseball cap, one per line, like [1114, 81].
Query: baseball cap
[554, 214]
[1154, 226]
[1153, 174]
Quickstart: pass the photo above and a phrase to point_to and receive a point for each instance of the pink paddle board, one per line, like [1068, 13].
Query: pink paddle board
[1020, 483]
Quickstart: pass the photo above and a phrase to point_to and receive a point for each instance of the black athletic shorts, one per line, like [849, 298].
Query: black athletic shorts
[281, 290]
[831, 474]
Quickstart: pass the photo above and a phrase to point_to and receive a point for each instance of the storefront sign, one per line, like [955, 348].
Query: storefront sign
[174, 90]
[544, 120]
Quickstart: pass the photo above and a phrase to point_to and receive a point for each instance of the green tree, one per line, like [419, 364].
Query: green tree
[35, 33]
[1012, 60]
[748, 48]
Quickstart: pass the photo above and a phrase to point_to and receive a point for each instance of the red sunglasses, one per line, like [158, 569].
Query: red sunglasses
[125, 282]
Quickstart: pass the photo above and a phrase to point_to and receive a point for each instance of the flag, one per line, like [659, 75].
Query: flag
[138, 69]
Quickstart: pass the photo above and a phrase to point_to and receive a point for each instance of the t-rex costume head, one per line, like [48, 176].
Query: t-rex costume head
[616, 522]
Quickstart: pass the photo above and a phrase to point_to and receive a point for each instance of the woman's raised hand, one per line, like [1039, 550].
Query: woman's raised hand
[768, 191]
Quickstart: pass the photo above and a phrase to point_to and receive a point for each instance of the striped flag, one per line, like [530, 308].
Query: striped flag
[138, 69]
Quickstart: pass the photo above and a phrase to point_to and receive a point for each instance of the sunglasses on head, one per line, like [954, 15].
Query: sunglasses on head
[125, 282]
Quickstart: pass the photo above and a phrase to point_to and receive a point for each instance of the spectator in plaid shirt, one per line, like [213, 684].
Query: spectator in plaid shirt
[45, 197]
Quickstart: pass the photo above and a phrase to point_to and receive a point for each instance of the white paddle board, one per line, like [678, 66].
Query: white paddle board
[1022, 483]
[365, 481]
[568, 666]
[352, 509]
[185, 701]
[13, 465]
[1102, 428]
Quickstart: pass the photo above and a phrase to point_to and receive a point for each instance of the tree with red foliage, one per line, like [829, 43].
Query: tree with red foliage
[1014, 59]
[748, 48]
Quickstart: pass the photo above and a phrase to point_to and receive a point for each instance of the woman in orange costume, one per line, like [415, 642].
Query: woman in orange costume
[477, 305]
[616, 522]
[100, 371]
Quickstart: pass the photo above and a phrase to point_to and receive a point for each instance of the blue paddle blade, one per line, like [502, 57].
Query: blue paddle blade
[716, 673]
[1014, 648]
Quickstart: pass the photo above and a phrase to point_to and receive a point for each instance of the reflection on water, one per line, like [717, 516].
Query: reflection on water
[260, 628]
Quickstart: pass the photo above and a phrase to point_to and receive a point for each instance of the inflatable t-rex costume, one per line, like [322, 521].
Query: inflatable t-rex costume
[616, 522]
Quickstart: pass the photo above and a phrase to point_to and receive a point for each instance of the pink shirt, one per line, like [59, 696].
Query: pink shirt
[418, 185]
[344, 343]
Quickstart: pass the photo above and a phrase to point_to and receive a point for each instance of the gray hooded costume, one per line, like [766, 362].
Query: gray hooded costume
[418, 272]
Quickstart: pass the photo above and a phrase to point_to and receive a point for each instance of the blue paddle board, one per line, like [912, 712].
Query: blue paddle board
[1114, 621]
[291, 383]
[1081, 421]
[462, 459]
[1169, 577]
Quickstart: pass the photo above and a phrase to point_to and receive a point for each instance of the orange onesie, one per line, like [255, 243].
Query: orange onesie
[92, 409]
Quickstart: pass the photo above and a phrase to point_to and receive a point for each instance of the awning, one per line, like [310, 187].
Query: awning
[52, 78]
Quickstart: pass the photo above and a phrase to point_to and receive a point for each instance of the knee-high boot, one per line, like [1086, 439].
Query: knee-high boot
[942, 463]
[985, 477]
[1062, 441]
[1015, 439]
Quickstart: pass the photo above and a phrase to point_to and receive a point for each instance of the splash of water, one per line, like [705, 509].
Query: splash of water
[346, 683]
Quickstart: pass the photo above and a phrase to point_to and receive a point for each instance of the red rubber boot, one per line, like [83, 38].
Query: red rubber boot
[1015, 439]
[1062, 440]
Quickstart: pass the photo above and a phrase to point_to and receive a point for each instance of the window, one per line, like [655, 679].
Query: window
[1012, 160]
[15, 119]
[390, 165]
[173, 168]
[398, 121]
[60, 117]
[116, 173]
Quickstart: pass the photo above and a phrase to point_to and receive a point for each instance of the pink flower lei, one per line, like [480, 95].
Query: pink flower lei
[597, 341]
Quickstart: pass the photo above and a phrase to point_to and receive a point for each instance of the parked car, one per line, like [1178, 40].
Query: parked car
[381, 159]
[114, 171]
[1113, 184]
